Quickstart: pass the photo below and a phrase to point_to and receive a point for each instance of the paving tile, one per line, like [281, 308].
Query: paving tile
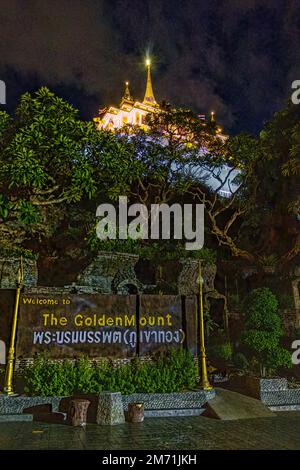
[280, 432]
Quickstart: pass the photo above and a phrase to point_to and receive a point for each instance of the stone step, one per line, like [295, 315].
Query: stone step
[228, 405]
[10, 417]
[173, 413]
[285, 408]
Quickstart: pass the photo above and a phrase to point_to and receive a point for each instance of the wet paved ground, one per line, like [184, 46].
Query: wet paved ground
[280, 432]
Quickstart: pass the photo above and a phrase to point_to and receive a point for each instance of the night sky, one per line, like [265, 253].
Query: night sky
[236, 57]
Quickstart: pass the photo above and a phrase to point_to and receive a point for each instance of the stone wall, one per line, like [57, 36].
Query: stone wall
[152, 401]
[163, 401]
[111, 273]
[9, 271]
[188, 278]
[115, 273]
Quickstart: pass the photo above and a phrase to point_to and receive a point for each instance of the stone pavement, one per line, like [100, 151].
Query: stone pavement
[280, 432]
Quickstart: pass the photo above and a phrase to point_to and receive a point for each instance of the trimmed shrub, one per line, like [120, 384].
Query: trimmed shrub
[172, 372]
[264, 330]
[223, 351]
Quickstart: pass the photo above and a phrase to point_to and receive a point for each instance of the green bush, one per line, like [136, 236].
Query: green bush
[264, 330]
[172, 372]
[223, 351]
[48, 378]
[16, 252]
[208, 255]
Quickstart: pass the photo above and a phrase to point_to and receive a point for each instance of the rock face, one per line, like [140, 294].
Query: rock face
[110, 408]
[112, 273]
[188, 277]
[115, 273]
[9, 270]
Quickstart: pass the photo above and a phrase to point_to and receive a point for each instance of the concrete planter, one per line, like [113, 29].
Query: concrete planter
[17, 404]
[257, 386]
[109, 407]
[175, 400]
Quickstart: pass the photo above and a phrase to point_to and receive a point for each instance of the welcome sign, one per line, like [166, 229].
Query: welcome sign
[99, 325]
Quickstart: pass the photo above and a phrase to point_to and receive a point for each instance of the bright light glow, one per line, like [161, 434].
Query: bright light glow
[126, 83]
[212, 112]
[148, 62]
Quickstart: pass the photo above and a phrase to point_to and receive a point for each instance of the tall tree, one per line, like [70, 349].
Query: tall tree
[43, 165]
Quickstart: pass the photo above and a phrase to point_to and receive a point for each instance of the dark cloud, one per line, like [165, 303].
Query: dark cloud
[236, 57]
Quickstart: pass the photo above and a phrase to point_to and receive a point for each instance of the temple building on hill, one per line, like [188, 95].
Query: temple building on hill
[130, 111]
[134, 113]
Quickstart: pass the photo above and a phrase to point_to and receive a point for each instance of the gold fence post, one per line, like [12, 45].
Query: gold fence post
[205, 385]
[9, 372]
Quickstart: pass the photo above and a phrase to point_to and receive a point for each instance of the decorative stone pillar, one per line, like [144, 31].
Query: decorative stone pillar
[110, 408]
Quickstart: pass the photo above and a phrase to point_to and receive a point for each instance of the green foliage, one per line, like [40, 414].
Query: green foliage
[5, 207]
[264, 330]
[269, 260]
[261, 311]
[210, 324]
[47, 160]
[207, 255]
[164, 250]
[48, 378]
[223, 351]
[16, 252]
[128, 245]
[50, 159]
[278, 357]
[261, 341]
[28, 214]
[172, 372]
[44, 150]
[169, 251]
[240, 361]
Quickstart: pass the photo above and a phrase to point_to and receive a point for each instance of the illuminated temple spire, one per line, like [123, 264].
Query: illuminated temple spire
[149, 95]
[127, 95]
